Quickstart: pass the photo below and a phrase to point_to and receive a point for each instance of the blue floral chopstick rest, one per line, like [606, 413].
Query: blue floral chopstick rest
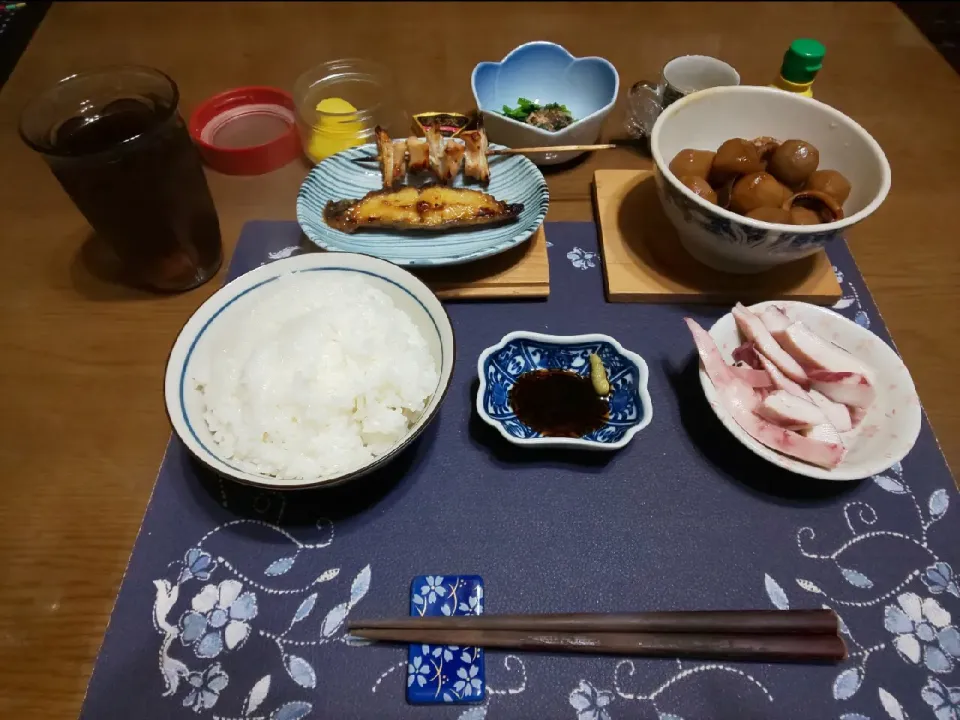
[445, 674]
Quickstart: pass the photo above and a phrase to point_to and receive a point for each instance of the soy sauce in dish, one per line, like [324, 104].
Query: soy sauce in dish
[558, 403]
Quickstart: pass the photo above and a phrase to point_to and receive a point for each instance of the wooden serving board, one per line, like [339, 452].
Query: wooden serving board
[643, 260]
[522, 271]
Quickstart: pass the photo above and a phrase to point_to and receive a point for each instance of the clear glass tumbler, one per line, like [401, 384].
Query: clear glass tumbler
[115, 140]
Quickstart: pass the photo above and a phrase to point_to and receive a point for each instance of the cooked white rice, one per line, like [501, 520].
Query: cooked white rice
[312, 376]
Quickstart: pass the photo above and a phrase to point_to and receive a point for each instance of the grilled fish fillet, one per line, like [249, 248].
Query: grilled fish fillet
[434, 207]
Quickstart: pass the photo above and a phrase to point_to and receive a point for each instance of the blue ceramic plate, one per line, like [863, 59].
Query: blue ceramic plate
[521, 352]
[513, 179]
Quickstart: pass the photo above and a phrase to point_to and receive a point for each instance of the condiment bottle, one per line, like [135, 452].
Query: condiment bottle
[800, 66]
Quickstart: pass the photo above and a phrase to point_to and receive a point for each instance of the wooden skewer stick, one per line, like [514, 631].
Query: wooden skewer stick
[523, 151]
[555, 148]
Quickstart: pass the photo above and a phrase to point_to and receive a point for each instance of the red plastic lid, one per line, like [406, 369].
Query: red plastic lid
[246, 131]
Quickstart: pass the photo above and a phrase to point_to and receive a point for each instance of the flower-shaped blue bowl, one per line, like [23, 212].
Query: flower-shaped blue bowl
[521, 352]
[545, 73]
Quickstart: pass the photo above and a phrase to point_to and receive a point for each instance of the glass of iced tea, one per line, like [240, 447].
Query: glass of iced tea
[115, 140]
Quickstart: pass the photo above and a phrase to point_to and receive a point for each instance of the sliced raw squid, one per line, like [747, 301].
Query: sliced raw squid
[825, 433]
[755, 331]
[775, 319]
[754, 378]
[848, 388]
[748, 355]
[837, 414]
[815, 353]
[734, 390]
[740, 400]
[791, 412]
[779, 380]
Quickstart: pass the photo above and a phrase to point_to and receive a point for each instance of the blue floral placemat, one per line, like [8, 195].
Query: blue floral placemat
[235, 601]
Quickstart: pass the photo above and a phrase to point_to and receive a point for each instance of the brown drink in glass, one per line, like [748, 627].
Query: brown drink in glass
[115, 140]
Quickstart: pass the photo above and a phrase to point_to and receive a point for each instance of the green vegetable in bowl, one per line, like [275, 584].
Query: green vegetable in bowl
[552, 116]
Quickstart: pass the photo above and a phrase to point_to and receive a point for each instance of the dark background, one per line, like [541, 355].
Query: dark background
[938, 21]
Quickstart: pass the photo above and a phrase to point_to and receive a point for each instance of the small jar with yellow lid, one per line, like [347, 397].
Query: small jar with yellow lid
[339, 103]
[801, 63]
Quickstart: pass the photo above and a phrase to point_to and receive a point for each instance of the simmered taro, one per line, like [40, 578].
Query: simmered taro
[692, 163]
[793, 162]
[765, 180]
[830, 182]
[699, 186]
[736, 157]
[757, 190]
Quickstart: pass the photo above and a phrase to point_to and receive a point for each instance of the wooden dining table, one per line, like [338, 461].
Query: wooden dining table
[83, 425]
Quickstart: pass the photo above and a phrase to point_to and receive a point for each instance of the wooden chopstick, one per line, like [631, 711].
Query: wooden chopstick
[754, 622]
[769, 648]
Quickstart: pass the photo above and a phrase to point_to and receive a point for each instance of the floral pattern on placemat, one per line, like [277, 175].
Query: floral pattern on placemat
[207, 610]
[902, 618]
[582, 259]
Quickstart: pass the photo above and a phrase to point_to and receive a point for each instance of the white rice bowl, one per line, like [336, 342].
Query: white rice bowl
[309, 371]
[314, 380]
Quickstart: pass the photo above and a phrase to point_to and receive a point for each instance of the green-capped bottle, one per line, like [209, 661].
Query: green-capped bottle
[800, 66]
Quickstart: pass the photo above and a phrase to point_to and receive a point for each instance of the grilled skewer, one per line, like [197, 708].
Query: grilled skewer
[520, 151]
[434, 153]
[444, 157]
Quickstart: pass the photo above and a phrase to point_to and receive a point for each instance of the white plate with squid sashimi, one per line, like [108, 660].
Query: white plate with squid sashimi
[808, 390]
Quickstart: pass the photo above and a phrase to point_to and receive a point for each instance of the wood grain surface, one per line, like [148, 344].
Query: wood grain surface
[521, 272]
[83, 425]
[643, 260]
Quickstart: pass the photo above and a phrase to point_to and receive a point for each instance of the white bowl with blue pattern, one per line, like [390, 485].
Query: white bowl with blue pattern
[546, 73]
[733, 243]
[185, 402]
[513, 179]
[520, 352]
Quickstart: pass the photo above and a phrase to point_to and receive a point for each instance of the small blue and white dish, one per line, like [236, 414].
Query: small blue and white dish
[545, 73]
[520, 352]
[513, 179]
[445, 674]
